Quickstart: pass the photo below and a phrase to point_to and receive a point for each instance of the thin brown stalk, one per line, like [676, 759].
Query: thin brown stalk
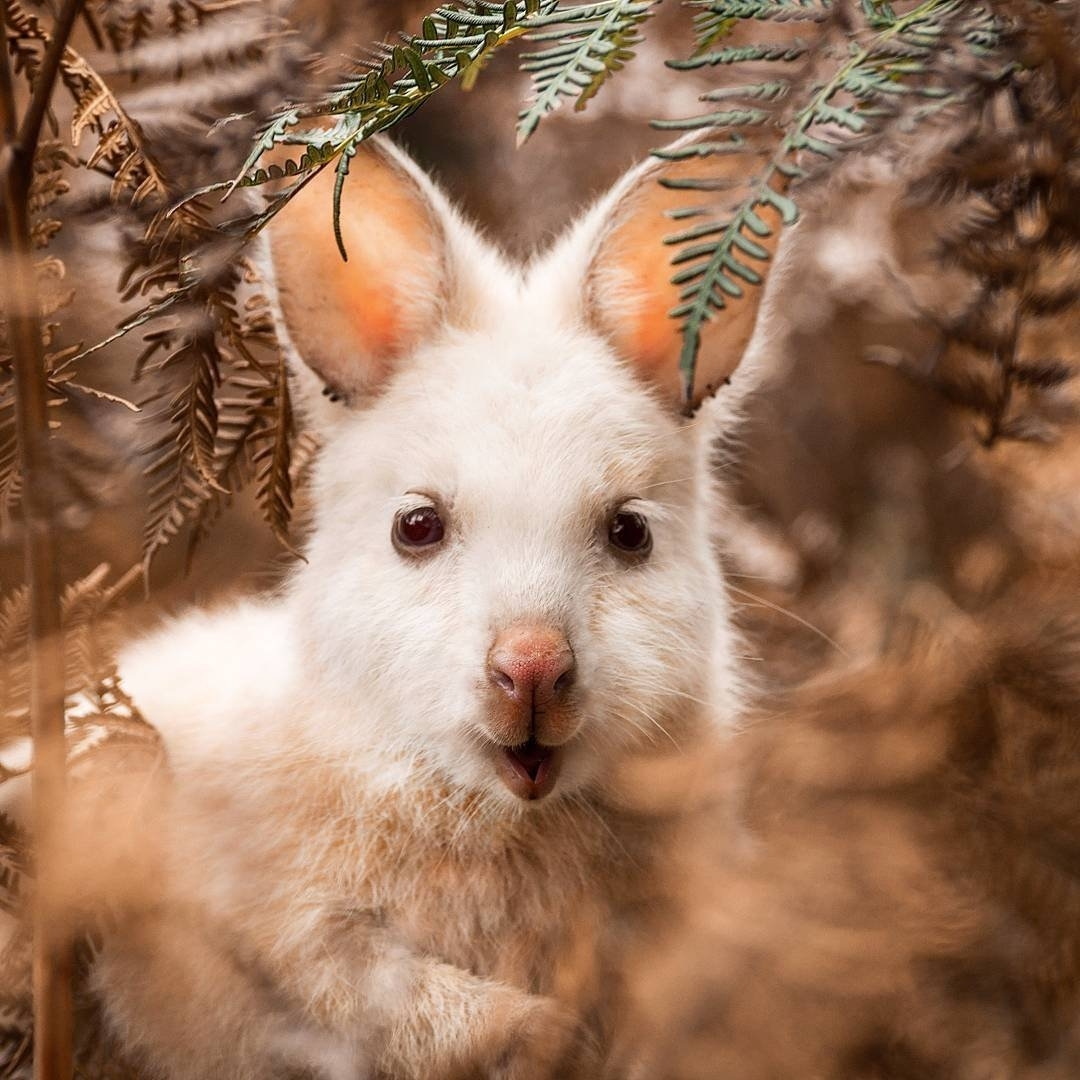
[7, 91]
[30, 130]
[52, 963]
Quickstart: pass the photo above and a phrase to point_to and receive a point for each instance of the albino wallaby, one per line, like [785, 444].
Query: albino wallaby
[392, 842]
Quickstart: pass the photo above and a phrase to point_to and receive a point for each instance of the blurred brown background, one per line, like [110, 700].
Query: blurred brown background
[908, 903]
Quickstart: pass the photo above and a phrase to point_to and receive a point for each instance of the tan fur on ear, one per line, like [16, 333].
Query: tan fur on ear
[629, 281]
[352, 320]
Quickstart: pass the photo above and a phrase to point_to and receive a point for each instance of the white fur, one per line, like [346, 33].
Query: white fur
[325, 742]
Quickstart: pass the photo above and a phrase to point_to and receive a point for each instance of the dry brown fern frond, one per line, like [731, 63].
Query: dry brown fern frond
[13, 865]
[254, 441]
[121, 151]
[121, 155]
[997, 205]
[127, 25]
[210, 336]
[222, 391]
[200, 49]
[16, 1040]
[218, 408]
[14, 618]
[10, 481]
[124, 24]
[16, 1014]
[92, 685]
[49, 184]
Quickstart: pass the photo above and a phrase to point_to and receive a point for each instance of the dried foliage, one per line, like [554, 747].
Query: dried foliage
[975, 106]
[105, 734]
[1003, 192]
[222, 392]
[907, 905]
[49, 185]
[93, 688]
[209, 336]
[16, 1018]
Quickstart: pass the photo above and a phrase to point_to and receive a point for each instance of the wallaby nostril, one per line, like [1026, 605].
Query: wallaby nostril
[502, 681]
[564, 681]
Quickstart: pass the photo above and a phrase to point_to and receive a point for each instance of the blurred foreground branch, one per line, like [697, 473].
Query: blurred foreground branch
[52, 946]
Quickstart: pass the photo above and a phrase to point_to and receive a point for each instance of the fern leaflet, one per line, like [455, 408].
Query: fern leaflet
[591, 43]
[455, 42]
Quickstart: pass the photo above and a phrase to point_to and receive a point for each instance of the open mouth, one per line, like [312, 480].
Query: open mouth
[530, 770]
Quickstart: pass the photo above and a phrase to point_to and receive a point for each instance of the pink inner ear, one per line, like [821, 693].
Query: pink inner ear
[377, 319]
[636, 264]
[634, 291]
[393, 261]
[353, 320]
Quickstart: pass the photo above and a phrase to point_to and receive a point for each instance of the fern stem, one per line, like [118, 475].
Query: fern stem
[53, 958]
[8, 120]
[30, 130]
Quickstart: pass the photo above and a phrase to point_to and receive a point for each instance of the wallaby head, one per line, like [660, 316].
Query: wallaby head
[511, 581]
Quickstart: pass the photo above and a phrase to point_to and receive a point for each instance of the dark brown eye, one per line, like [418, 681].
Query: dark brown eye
[418, 528]
[629, 532]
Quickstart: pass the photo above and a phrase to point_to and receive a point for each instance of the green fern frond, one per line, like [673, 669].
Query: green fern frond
[892, 57]
[716, 19]
[741, 54]
[274, 133]
[455, 42]
[590, 43]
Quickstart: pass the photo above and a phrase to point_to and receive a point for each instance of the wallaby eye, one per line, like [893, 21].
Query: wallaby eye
[629, 532]
[420, 527]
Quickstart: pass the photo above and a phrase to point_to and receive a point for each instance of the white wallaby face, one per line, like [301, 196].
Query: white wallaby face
[511, 581]
[537, 456]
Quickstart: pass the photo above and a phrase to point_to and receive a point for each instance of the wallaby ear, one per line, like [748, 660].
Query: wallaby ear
[351, 320]
[628, 288]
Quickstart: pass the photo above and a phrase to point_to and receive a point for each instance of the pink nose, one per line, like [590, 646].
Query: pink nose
[532, 664]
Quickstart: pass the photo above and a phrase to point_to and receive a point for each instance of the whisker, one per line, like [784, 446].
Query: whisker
[584, 803]
[686, 425]
[791, 615]
[652, 720]
[748, 577]
[665, 483]
[655, 687]
[640, 728]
